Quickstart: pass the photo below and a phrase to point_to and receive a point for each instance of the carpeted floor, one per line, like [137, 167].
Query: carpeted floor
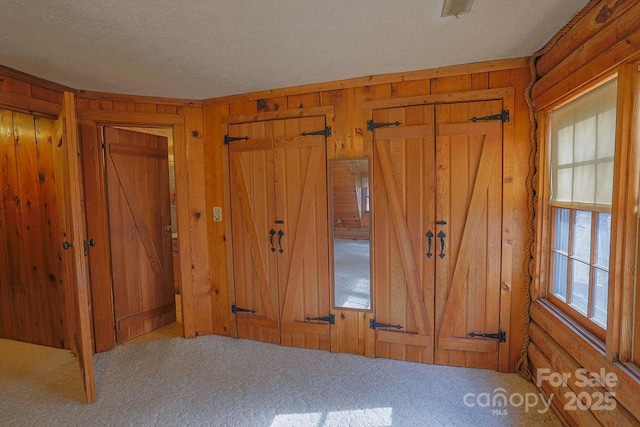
[221, 381]
[352, 265]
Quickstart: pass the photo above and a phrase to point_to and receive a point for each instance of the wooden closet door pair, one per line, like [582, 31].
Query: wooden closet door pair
[280, 232]
[437, 227]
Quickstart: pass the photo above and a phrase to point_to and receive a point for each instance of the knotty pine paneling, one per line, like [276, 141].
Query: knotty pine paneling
[28, 94]
[188, 134]
[351, 139]
[31, 266]
[201, 157]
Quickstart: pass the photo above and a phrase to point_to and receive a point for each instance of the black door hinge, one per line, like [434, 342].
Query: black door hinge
[326, 132]
[330, 318]
[371, 126]
[235, 309]
[504, 116]
[501, 336]
[228, 139]
[374, 325]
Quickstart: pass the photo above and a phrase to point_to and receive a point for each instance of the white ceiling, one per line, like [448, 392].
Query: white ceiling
[201, 49]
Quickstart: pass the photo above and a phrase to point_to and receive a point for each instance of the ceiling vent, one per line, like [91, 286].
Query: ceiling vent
[456, 7]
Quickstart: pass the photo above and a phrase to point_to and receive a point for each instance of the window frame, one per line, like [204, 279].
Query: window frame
[366, 196]
[585, 320]
[548, 208]
[621, 344]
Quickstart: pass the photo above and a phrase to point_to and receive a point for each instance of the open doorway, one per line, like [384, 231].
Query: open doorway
[141, 200]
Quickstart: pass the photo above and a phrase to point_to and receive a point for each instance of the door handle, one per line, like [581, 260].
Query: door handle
[272, 232]
[280, 234]
[429, 236]
[441, 236]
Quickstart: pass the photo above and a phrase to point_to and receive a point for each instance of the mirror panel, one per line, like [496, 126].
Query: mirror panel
[351, 224]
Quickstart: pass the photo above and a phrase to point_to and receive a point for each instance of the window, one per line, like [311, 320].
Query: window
[582, 135]
[366, 196]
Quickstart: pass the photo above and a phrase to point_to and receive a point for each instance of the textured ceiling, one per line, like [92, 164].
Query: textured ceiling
[200, 49]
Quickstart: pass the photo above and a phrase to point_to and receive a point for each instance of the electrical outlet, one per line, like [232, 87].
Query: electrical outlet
[217, 214]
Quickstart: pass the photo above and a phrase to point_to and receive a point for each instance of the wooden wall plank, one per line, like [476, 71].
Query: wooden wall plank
[344, 142]
[215, 183]
[561, 361]
[196, 234]
[53, 267]
[595, 21]
[383, 79]
[573, 341]
[9, 211]
[32, 261]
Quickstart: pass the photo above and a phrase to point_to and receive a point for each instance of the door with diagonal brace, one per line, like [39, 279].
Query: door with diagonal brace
[438, 216]
[280, 232]
[140, 231]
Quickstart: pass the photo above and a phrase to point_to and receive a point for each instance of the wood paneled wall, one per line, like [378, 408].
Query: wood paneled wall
[605, 38]
[351, 139]
[200, 167]
[185, 117]
[32, 273]
[29, 94]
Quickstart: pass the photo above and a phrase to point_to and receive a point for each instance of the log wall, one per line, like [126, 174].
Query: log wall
[605, 40]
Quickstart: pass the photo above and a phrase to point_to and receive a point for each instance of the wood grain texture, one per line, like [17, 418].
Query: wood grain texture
[368, 81]
[252, 192]
[34, 277]
[403, 275]
[216, 184]
[301, 203]
[77, 289]
[142, 261]
[604, 42]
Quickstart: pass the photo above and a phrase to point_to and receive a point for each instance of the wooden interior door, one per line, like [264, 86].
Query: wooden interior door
[254, 232]
[403, 292]
[77, 285]
[140, 231]
[302, 218]
[280, 232]
[469, 206]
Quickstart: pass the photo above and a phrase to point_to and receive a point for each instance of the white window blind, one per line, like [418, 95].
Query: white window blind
[583, 136]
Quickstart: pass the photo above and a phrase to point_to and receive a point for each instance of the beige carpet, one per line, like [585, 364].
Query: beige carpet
[221, 381]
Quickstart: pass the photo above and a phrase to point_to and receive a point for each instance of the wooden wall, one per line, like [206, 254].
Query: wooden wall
[351, 139]
[202, 183]
[28, 94]
[32, 273]
[604, 41]
[185, 117]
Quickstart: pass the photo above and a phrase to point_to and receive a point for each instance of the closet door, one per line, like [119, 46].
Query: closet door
[469, 211]
[254, 232]
[404, 253]
[302, 232]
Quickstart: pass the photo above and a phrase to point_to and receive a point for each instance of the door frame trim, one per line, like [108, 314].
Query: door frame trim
[104, 336]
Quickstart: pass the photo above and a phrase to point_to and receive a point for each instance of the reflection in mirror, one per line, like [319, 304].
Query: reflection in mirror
[351, 205]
